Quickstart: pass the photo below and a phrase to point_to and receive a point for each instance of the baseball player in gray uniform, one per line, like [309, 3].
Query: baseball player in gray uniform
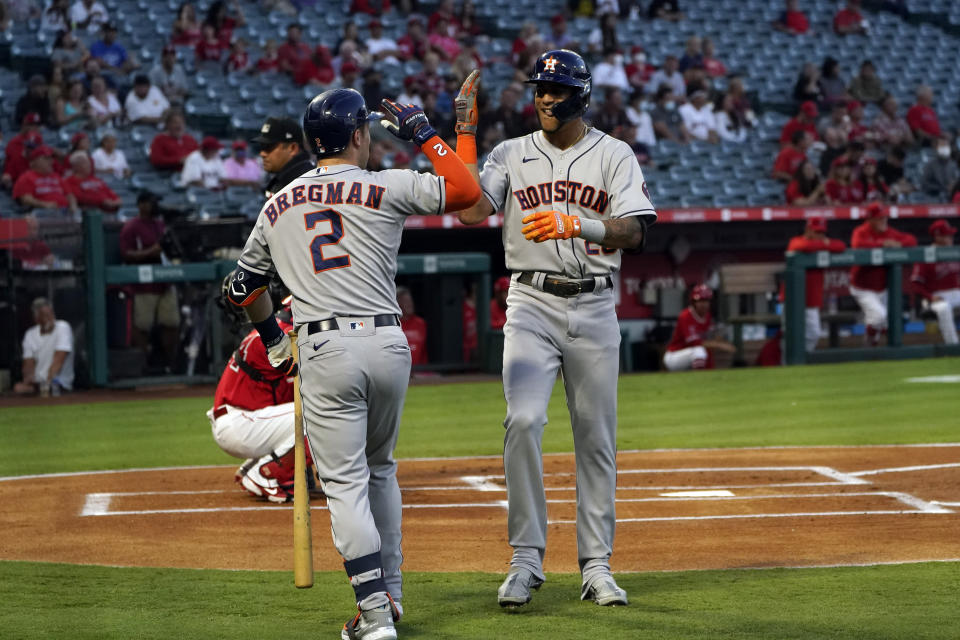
[572, 198]
[332, 235]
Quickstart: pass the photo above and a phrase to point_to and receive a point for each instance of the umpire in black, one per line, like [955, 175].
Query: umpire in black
[283, 153]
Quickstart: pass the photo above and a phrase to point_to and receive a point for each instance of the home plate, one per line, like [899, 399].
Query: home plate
[940, 379]
[717, 493]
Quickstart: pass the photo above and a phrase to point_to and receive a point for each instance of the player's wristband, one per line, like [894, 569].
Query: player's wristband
[592, 230]
[269, 330]
[423, 133]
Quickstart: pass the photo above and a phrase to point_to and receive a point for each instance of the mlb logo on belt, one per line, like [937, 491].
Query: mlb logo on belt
[550, 64]
[356, 326]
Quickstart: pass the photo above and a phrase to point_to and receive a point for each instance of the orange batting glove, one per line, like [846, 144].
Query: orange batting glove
[550, 225]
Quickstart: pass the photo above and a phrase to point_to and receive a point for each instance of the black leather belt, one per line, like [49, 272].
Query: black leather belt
[383, 320]
[563, 287]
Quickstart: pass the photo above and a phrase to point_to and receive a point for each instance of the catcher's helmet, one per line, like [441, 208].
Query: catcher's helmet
[565, 67]
[701, 292]
[332, 117]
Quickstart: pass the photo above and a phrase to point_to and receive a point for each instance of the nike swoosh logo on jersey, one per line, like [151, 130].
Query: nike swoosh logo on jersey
[317, 346]
[530, 159]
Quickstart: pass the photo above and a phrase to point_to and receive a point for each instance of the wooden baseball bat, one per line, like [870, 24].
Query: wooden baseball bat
[302, 537]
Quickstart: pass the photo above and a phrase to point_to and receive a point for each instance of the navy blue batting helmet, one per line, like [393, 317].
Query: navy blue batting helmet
[332, 117]
[565, 67]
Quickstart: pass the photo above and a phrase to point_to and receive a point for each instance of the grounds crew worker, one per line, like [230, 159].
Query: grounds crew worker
[282, 152]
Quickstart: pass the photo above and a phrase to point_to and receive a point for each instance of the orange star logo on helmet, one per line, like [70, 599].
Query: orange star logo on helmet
[550, 64]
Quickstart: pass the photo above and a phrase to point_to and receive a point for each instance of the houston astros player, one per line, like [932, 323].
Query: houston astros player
[939, 282]
[572, 198]
[332, 235]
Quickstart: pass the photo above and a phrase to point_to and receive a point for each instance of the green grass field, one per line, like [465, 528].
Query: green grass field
[852, 404]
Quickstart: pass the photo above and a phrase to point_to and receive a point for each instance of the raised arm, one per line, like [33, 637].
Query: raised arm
[467, 117]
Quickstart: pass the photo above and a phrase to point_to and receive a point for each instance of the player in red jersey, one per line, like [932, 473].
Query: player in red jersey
[868, 285]
[939, 282]
[814, 239]
[498, 304]
[693, 335]
[252, 415]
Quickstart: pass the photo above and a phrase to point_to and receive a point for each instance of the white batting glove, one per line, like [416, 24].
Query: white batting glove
[280, 355]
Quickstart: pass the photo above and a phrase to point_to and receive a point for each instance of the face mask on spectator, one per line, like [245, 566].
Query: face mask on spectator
[670, 105]
[943, 150]
[618, 60]
[639, 58]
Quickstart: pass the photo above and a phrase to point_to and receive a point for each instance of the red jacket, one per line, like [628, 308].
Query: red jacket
[238, 389]
[929, 278]
[924, 118]
[167, 152]
[90, 191]
[864, 237]
[814, 279]
[415, 328]
[690, 331]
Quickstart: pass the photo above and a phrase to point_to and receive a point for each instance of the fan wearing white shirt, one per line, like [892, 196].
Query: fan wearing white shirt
[610, 72]
[47, 353]
[380, 47]
[698, 117]
[145, 104]
[203, 167]
[640, 118]
[88, 14]
[107, 159]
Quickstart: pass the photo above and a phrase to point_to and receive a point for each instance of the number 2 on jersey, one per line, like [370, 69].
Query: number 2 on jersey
[311, 220]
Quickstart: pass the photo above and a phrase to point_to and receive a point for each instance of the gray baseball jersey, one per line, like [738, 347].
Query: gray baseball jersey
[597, 178]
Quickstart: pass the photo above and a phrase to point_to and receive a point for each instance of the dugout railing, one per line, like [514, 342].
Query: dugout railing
[893, 260]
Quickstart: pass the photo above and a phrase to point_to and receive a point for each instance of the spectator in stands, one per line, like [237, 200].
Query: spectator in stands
[667, 122]
[868, 284]
[372, 86]
[223, 22]
[16, 158]
[429, 77]
[170, 77]
[807, 87]
[145, 104]
[371, 7]
[859, 129]
[559, 37]
[469, 25]
[731, 125]
[445, 11]
[741, 101]
[498, 304]
[836, 146]
[665, 10]
[889, 129]
[414, 327]
[506, 114]
[870, 184]
[351, 34]
[316, 69]
[813, 240]
[923, 119]
[792, 156]
[204, 167]
[792, 20]
[350, 76]
[527, 37]
[238, 60]
[112, 55]
[35, 101]
[442, 42]
[73, 107]
[413, 45]
[240, 169]
[56, 17]
[692, 58]
[670, 76]
[90, 191]
[170, 147]
[104, 106]
[68, 52]
[282, 152]
[186, 26]
[940, 173]
[640, 119]
[292, 52]
[154, 304]
[603, 37]
[806, 189]
[939, 282]
[91, 71]
[711, 64]
[40, 187]
[890, 170]
[698, 117]
[610, 72]
[833, 87]
[867, 86]
[638, 70]
[47, 353]
[805, 120]
[611, 113]
[108, 159]
[269, 61]
[849, 20]
[88, 14]
[210, 48]
[838, 185]
[380, 46]
[412, 92]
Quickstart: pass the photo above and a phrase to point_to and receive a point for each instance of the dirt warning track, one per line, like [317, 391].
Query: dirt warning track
[676, 510]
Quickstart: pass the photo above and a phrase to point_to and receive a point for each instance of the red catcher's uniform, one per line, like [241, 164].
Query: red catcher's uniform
[498, 316]
[864, 237]
[686, 350]
[236, 388]
[940, 279]
[415, 328]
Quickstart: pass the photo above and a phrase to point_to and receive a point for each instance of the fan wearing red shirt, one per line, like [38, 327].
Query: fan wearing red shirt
[922, 118]
[18, 148]
[170, 148]
[40, 187]
[270, 60]
[293, 51]
[868, 285]
[413, 326]
[849, 20]
[693, 335]
[252, 414]
[371, 7]
[792, 20]
[805, 120]
[638, 70]
[498, 305]
[210, 47]
[89, 190]
[792, 156]
[838, 186]
[813, 240]
[870, 185]
[939, 282]
[413, 45]
[317, 69]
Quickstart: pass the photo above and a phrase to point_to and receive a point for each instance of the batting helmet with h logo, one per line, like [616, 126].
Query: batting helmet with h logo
[562, 66]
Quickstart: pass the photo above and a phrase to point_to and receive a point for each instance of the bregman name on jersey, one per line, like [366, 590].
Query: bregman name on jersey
[562, 191]
[331, 193]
